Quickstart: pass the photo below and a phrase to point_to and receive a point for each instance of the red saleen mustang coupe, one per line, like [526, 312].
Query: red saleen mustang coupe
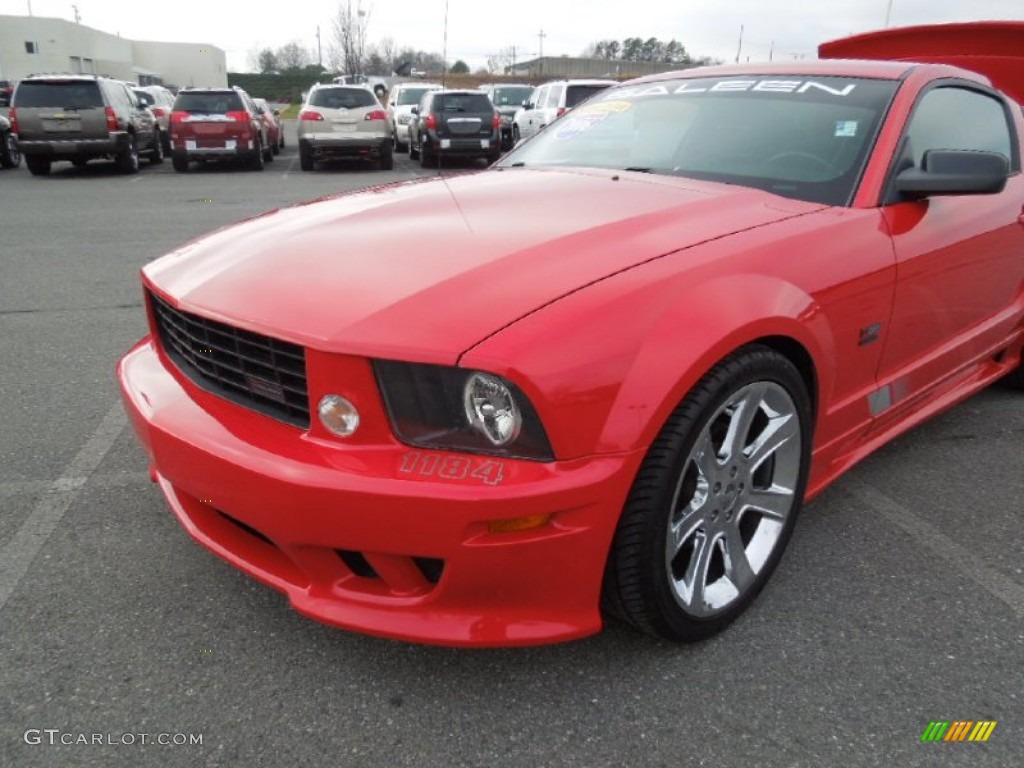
[603, 374]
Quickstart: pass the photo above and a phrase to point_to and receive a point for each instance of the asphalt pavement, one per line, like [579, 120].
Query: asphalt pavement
[122, 642]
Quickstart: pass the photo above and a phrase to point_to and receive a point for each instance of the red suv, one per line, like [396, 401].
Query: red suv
[216, 124]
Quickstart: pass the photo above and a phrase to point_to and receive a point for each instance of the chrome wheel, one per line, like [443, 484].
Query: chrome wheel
[715, 500]
[735, 492]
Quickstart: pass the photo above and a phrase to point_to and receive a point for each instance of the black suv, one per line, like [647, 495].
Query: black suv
[80, 118]
[454, 123]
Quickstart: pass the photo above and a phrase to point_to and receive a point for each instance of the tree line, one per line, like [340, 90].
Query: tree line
[652, 49]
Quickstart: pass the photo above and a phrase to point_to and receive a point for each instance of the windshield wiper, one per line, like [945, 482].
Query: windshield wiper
[637, 169]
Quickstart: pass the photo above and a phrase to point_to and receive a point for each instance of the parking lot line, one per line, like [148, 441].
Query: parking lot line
[924, 533]
[18, 554]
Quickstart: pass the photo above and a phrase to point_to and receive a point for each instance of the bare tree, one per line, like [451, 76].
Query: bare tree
[349, 27]
[292, 56]
[498, 62]
[388, 50]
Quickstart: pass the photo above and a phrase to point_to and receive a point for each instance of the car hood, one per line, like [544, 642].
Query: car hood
[424, 270]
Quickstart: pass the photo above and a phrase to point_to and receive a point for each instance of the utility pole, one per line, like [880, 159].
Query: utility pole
[78, 16]
[740, 49]
[540, 58]
[888, 14]
[513, 59]
[319, 51]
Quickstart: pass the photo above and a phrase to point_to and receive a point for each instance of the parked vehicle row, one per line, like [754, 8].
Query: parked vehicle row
[81, 117]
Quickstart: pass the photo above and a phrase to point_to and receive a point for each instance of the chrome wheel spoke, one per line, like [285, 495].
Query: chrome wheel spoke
[780, 431]
[737, 565]
[744, 411]
[695, 581]
[703, 456]
[774, 502]
[680, 532]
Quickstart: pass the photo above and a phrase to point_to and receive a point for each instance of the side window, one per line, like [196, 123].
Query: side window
[539, 96]
[554, 96]
[959, 118]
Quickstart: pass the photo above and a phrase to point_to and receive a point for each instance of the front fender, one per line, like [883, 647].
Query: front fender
[605, 366]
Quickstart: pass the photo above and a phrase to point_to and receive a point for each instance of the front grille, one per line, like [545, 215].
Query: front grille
[255, 371]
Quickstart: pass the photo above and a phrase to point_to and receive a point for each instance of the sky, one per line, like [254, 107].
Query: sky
[782, 29]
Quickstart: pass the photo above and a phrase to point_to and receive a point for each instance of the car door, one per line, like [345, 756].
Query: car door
[141, 115]
[960, 258]
[531, 120]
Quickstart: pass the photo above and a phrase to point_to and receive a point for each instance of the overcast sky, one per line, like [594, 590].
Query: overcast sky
[786, 28]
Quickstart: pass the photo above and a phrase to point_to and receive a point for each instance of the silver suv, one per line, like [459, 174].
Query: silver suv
[552, 100]
[344, 121]
[401, 100]
[79, 118]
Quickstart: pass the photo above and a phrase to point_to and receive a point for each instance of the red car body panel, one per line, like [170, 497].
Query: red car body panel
[992, 48]
[465, 253]
[643, 282]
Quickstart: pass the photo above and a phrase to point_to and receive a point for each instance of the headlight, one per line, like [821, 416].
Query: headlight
[436, 406]
[491, 408]
[404, 119]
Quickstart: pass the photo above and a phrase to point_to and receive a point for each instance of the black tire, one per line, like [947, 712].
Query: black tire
[257, 160]
[306, 161]
[165, 136]
[694, 484]
[491, 159]
[10, 156]
[268, 152]
[128, 158]
[281, 142]
[156, 151]
[398, 146]
[180, 162]
[427, 158]
[515, 134]
[38, 165]
[275, 148]
[387, 159]
[414, 150]
[1016, 378]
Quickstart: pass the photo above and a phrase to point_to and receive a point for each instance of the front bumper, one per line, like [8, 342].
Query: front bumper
[372, 538]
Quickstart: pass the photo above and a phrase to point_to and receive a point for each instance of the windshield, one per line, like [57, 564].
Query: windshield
[410, 96]
[512, 96]
[799, 137]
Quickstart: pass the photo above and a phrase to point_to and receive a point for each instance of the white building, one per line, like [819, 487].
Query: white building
[36, 44]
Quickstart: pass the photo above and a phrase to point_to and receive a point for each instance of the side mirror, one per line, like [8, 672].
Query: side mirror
[955, 172]
[277, 113]
[415, 110]
[528, 105]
